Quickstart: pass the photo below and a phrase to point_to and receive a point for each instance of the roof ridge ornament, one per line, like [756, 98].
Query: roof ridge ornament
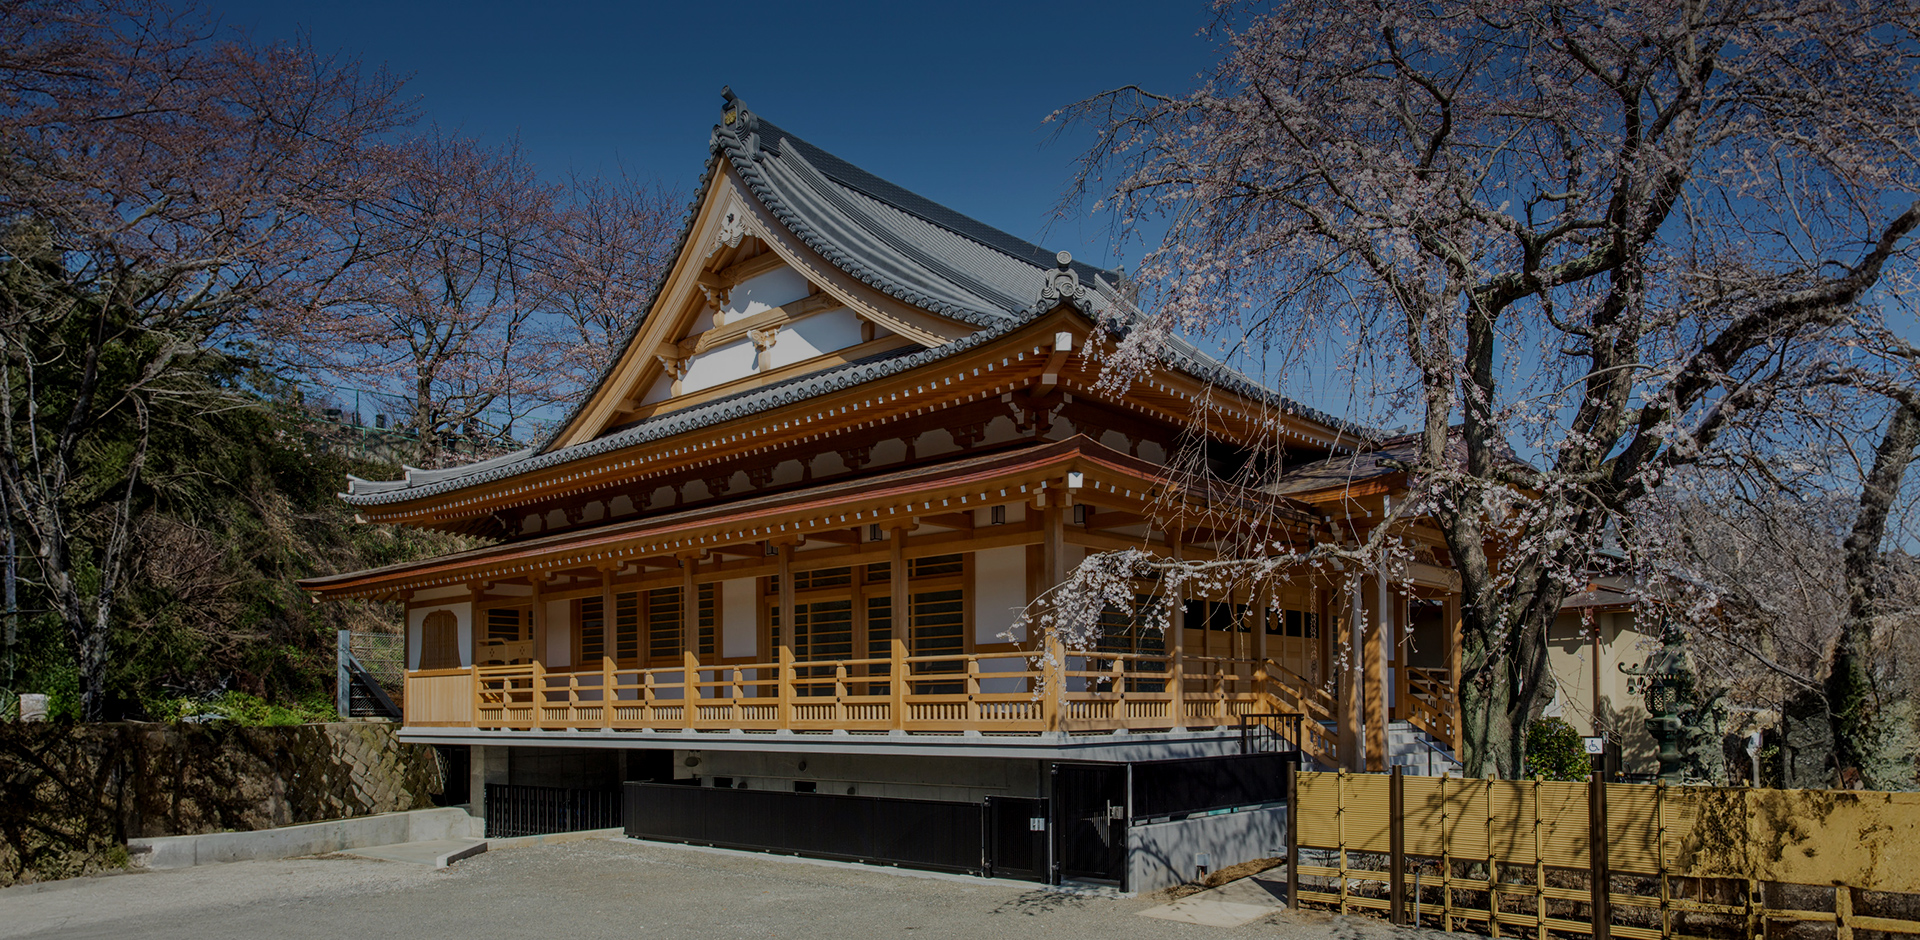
[1063, 286]
[735, 117]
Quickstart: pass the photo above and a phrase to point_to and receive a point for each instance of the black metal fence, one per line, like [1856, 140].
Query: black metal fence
[514, 810]
[1270, 732]
[930, 834]
[1169, 788]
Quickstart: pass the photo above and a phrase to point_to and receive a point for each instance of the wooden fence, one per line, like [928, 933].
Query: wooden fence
[1516, 858]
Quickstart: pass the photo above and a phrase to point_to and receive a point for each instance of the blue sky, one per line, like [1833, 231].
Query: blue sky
[944, 99]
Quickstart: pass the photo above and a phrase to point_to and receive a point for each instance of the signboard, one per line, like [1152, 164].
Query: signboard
[1595, 744]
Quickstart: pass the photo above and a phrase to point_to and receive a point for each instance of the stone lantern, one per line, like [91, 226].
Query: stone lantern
[1664, 675]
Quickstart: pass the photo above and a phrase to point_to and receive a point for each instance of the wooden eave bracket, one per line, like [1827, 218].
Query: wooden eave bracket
[1050, 373]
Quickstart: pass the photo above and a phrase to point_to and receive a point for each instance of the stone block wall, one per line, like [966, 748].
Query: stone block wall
[73, 794]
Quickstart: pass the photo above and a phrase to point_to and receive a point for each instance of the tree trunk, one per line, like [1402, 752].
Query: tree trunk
[1504, 682]
[1852, 705]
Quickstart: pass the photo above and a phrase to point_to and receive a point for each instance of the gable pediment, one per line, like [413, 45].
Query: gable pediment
[746, 305]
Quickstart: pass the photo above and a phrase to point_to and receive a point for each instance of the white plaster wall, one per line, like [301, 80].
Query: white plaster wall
[763, 292]
[659, 391]
[1000, 592]
[559, 633]
[814, 335]
[739, 625]
[417, 617]
[718, 365]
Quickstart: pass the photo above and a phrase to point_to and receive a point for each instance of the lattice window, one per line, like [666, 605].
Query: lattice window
[593, 630]
[709, 617]
[815, 580]
[440, 641]
[663, 625]
[938, 628]
[1300, 623]
[626, 627]
[507, 636]
[1134, 631]
[880, 641]
[936, 566]
[506, 624]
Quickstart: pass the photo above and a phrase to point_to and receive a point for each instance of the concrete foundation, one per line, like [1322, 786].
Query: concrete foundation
[340, 835]
[1160, 855]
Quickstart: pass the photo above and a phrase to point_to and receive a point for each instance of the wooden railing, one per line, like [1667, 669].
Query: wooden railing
[998, 693]
[1318, 707]
[1429, 703]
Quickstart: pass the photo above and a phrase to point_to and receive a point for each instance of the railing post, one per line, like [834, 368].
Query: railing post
[1397, 848]
[840, 691]
[538, 614]
[1599, 876]
[539, 673]
[971, 667]
[783, 674]
[608, 697]
[1263, 610]
[899, 615]
[690, 640]
[1293, 834]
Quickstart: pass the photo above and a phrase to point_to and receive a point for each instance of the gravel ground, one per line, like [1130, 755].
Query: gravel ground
[585, 890]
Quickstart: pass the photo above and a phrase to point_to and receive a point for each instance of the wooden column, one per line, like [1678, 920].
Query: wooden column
[1374, 684]
[539, 618]
[1053, 567]
[1177, 645]
[1402, 669]
[538, 611]
[609, 625]
[1352, 739]
[897, 645]
[690, 636]
[1262, 612]
[784, 659]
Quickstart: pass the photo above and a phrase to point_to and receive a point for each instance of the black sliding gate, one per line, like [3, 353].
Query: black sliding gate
[514, 810]
[1078, 834]
[1094, 803]
[931, 834]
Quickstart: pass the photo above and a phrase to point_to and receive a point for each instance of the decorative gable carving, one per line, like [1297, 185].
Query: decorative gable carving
[746, 305]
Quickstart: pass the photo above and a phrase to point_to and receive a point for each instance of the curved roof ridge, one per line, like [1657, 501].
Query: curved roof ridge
[906, 200]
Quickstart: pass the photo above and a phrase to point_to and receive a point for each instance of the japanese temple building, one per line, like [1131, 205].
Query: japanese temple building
[783, 542]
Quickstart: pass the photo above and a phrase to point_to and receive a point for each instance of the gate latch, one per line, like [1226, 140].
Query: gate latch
[1116, 812]
[1037, 824]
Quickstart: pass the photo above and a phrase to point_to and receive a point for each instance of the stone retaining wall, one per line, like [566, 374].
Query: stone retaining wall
[74, 794]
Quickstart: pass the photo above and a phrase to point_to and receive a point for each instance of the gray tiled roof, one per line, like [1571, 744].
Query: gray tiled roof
[365, 493]
[896, 242]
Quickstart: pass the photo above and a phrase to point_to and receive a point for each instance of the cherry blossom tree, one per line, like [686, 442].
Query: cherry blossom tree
[487, 294]
[161, 194]
[445, 306]
[1579, 247]
[603, 261]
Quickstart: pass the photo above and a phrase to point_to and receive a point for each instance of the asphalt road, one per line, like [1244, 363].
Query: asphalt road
[596, 889]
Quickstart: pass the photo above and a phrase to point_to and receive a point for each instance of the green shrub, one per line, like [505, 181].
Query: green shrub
[1555, 751]
[242, 709]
